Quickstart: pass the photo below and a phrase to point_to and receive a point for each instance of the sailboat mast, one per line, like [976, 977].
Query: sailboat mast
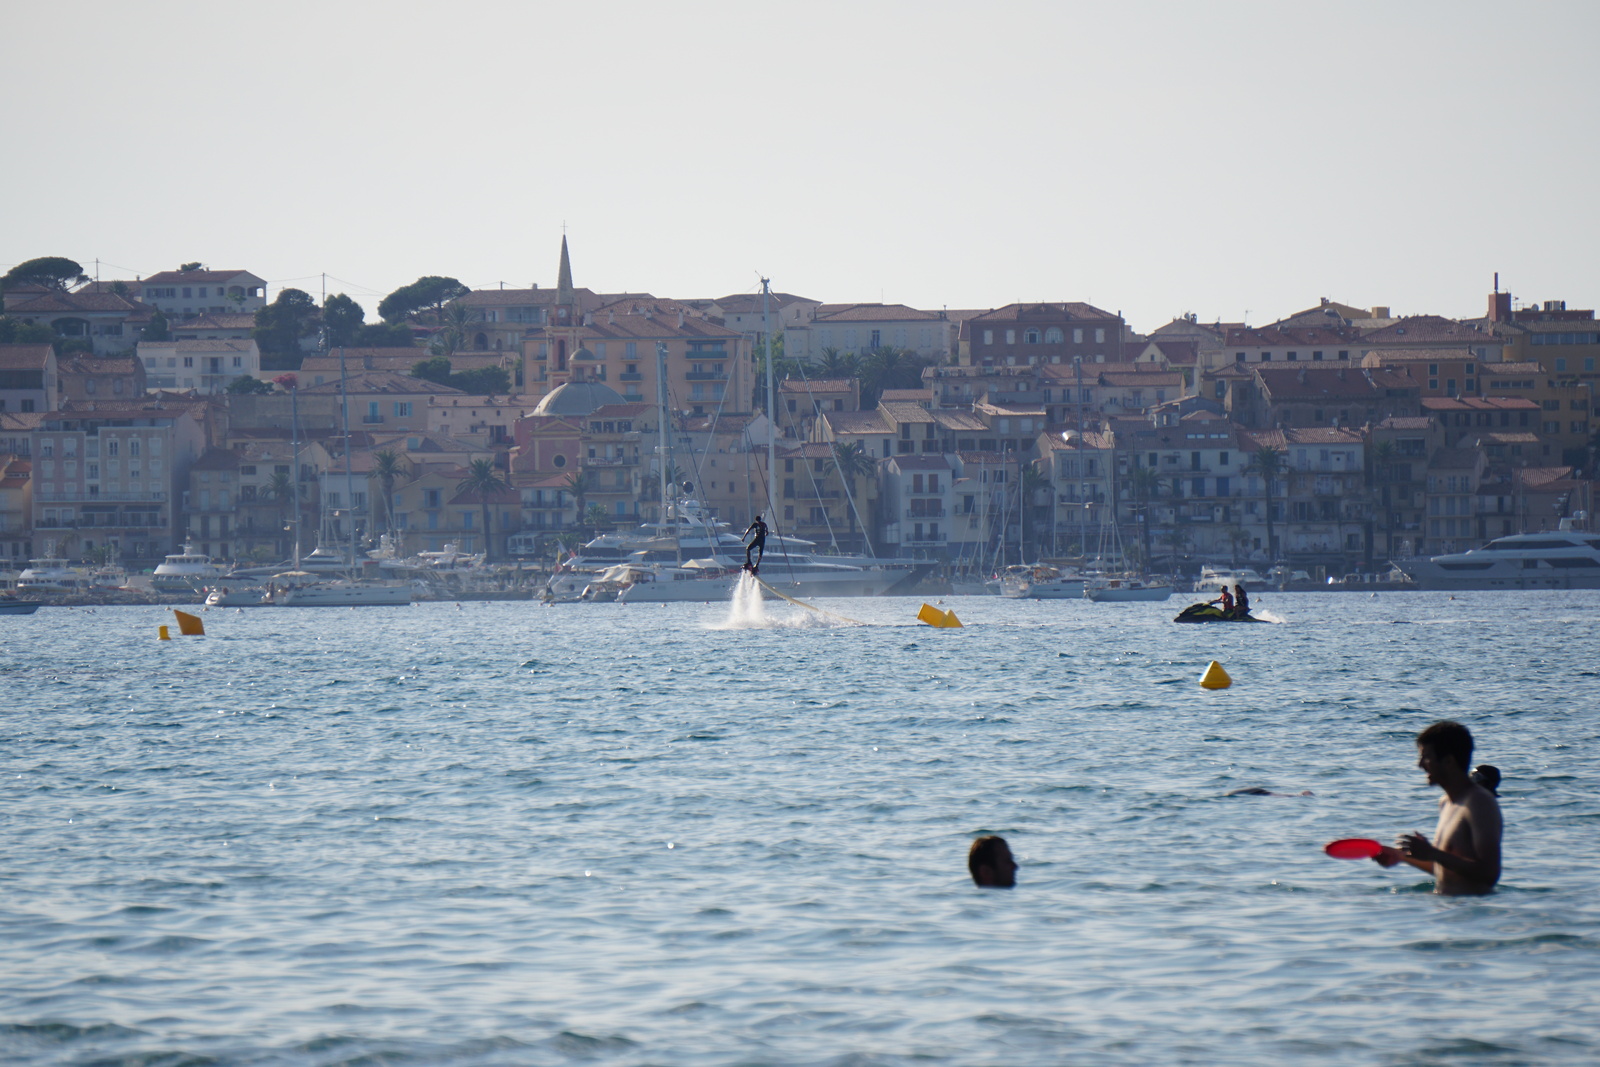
[294, 467]
[772, 408]
[663, 449]
[349, 495]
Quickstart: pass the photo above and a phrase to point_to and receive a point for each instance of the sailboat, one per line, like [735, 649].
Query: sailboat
[1122, 586]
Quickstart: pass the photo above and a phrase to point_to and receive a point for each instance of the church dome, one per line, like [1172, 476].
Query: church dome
[583, 353]
[578, 398]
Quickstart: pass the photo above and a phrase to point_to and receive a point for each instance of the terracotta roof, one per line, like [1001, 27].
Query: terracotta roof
[214, 344]
[86, 364]
[82, 302]
[384, 382]
[199, 277]
[1068, 311]
[857, 422]
[1521, 438]
[1406, 422]
[750, 303]
[1478, 403]
[902, 411]
[1588, 325]
[1423, 355]
[1008, 410]
[1513, 368]
[810, 450]
[912, 396]
[959, 421]
[816, 385]
[25, 357]
[1425, 329]
[1278, 336]
[873, 313]
[624, 327]
[1540, 477]
[1322, 435]
[1141, 379]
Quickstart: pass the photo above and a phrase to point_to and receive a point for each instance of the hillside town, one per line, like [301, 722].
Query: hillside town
[140, 414]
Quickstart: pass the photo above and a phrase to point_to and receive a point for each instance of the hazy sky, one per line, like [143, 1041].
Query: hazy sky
[1153, 158]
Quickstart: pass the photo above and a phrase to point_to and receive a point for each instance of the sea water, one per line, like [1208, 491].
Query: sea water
[636, 834]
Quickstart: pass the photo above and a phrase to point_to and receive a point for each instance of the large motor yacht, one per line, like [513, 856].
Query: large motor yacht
[1567, 558]
[186, 571]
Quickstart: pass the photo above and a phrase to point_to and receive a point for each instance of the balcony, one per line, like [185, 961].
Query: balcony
[707, 353]
[99, 498]
[926, 513]
[925, 539]
[371, 419]
[627, 376]
[707, 376]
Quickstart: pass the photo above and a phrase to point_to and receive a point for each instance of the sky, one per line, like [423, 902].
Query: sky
[1236, 160]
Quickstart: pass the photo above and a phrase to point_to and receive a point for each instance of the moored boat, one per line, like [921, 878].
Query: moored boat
[1567, 558]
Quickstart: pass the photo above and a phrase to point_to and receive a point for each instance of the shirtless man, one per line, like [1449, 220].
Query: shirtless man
[1466, 860]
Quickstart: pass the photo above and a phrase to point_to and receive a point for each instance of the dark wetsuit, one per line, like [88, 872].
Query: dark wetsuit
[758, 544]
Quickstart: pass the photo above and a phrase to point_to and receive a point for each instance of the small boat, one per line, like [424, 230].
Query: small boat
[1039, 581]
[1212, 613]
[52, 573]
[1119, 590]
[13, 606]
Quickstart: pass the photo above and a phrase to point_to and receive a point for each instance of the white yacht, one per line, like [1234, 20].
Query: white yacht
[1562, 559]
[794, 574]
[303, 589]
[1120, 589]
[51, 572]
[185, 571]
[1038, 581]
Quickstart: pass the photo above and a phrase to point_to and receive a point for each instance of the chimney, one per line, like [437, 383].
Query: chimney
[680, 319]
[1499, 306]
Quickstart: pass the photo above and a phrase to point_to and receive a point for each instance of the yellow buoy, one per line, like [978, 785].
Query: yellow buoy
[1215, 677]
[934, 617]
[165, 634]
[189, 625]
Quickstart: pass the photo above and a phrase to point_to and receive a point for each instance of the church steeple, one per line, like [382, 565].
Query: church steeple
[564, 293]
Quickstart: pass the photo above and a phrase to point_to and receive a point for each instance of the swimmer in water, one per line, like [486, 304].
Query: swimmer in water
[990, 863]
[1466, 858]
[1257, 791]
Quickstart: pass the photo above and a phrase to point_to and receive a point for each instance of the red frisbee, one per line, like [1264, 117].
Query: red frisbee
[1353, 848]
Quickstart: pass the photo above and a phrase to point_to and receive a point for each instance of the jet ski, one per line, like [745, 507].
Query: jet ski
[1212, 613]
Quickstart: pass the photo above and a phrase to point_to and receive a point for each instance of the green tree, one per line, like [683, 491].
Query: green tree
[434, 369]
[342, 319]
[456, 323]
[888, 367]
[157, 329]
[1267, 463]
[579, 484]
[16, 332]
[1146, 486]
[52, 272]
[384, 335]
[594, 516]
[185, 268]
[837, 364]
[284, 323]
[423, 298]
[1029, 484]
[483, 480]
[387, 466]
[484, 381]
[855, 463]
[244, 385]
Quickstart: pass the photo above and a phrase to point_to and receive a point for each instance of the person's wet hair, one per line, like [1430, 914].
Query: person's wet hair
[1447, 738]
[1488, 776]
[990, 863]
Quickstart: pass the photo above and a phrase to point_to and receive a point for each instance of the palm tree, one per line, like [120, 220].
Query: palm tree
[1029, 484]
[888, 367]
[854, 462]
[836, 364]
[387, 466]
[595, 516]
[483, 480]
[1267, 463]
[579, 484]
[280, 490]
[1146, 485]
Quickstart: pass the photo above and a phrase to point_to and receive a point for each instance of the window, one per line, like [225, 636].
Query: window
[1293, 357]
[1052, 336]
[111, 447]
[188, 361]
[988, 337]
[1011, 337]
[402, 409]
[630, 350]
[238, 361]
[1031, 337]
[1099, 335]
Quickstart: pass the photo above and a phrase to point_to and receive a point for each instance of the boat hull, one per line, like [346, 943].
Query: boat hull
[18, 607]
[1501, 574]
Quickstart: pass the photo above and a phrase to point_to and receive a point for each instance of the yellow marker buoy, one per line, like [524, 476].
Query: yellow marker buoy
[164, 634]
[934, 617]
[189, 625]
[1215, 677]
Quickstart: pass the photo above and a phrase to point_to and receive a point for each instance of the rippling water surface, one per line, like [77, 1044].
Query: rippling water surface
[514, 834]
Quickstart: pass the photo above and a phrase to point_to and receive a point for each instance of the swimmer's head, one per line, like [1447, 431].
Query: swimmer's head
[1488, 776]
[991, 864]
